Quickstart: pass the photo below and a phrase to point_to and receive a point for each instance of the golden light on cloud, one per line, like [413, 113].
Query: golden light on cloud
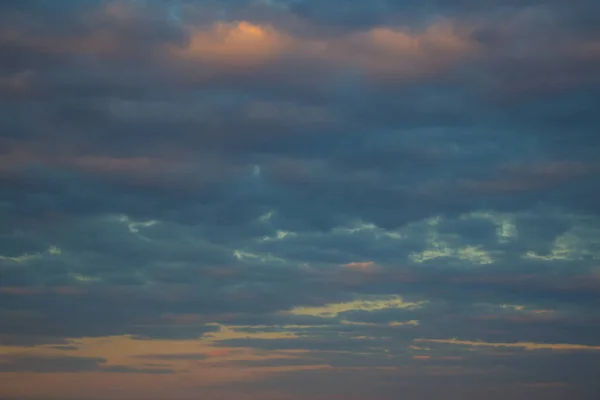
[380, 52]
[332, 310]
[439, 248]
[235, 44]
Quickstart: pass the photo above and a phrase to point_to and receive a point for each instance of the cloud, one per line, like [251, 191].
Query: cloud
[276, 197]
[526, 346]
[383, 52]
[167, 357]
[333, 310]
[50, 364]
[53, 364]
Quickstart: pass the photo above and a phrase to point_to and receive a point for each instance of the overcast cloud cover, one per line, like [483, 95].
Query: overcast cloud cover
[299, 199]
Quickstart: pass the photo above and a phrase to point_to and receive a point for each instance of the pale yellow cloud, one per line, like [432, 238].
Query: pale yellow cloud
[244, 255]
[18, 82]
[26, 257]
[270, 111]
[578, 243]
[214, 365]
[506, 228]
[439, 246]
[99, 42]
[237, 44]
[332, 310]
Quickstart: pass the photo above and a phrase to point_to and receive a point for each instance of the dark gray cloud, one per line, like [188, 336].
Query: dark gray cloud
[167, 357]
[50, 364]
[41, 364]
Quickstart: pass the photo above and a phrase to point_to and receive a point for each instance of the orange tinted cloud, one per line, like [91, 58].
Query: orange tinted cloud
[380, 52]
[362, 266]
[27, 291]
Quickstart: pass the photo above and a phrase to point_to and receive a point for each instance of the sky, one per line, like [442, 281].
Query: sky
[299, 199]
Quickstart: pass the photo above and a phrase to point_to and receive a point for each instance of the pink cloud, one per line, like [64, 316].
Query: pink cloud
[364, 266]
[424, 358]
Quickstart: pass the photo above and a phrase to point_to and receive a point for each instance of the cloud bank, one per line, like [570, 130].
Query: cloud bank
[214, 199]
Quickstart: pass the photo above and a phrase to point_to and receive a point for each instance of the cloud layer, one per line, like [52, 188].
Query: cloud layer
[214, 199]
